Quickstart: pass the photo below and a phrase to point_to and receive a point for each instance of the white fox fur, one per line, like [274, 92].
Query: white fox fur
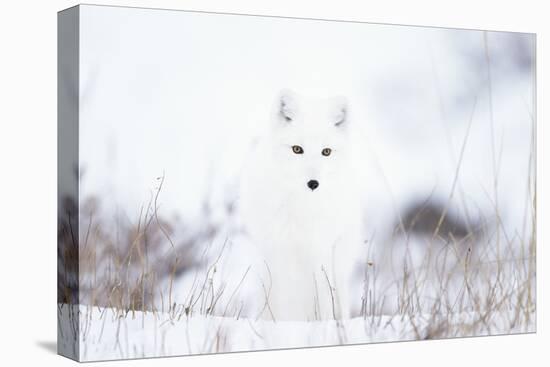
[307, 237]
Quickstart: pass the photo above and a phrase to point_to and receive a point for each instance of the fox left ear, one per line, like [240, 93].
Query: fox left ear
[287, 105]
[341, 116]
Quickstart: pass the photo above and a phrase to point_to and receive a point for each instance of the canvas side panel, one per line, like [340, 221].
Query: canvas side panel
[67, 194]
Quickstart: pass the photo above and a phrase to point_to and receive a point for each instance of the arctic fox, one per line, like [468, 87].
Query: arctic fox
[299, 206]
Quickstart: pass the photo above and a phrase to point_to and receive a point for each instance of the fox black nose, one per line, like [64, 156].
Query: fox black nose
[313, 184]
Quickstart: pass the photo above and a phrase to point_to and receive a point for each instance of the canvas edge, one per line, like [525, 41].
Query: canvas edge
[68, 327]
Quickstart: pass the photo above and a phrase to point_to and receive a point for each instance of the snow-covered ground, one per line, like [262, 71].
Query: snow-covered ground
[109, 334]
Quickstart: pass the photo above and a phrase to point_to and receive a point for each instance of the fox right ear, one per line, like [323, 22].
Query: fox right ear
[286, 107]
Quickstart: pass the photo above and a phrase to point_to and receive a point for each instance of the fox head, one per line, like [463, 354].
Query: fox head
[311, 141]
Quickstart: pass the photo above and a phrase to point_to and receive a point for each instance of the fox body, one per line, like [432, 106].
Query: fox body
[299, 206]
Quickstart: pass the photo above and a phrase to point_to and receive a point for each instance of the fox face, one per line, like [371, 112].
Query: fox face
[310, 141]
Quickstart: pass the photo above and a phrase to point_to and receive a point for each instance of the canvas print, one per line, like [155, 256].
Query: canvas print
[232, 183]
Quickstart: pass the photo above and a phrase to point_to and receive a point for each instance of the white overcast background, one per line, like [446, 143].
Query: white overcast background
[183, 94]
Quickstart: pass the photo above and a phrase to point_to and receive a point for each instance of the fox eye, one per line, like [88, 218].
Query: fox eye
[326, 152]
[297, 149]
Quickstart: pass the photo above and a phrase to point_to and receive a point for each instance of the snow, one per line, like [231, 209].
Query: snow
[110, 334]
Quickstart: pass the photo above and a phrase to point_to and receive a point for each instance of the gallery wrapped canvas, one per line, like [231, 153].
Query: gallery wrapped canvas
[239, 183]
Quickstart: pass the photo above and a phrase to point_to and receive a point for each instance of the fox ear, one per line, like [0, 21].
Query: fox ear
[341, 114]
[286, 106]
